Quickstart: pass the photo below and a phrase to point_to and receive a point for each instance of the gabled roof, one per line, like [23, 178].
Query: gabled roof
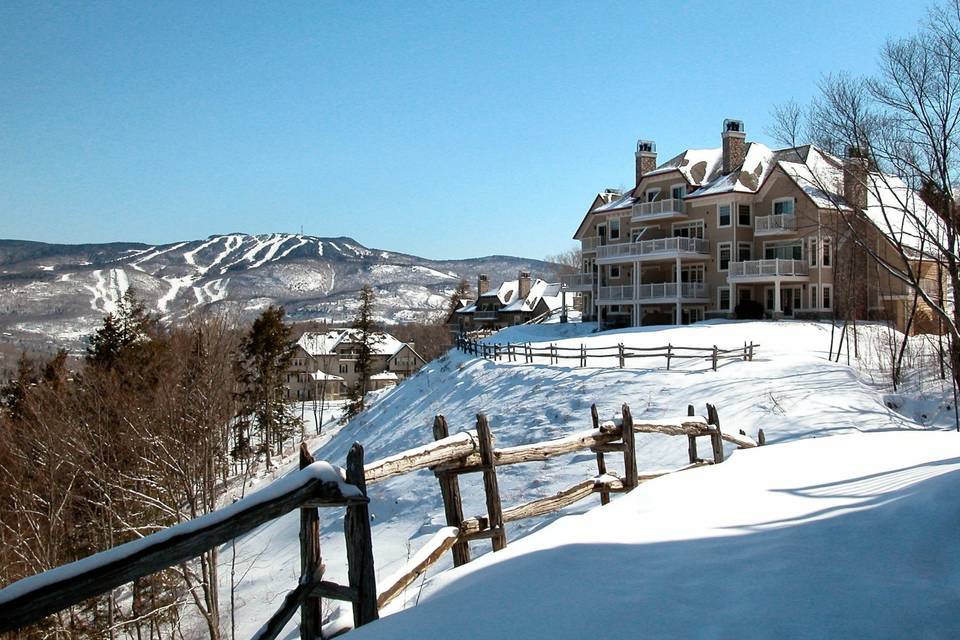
[505, 293]
[325, 344]
[540, 290]
[698, 166]
[747, 178]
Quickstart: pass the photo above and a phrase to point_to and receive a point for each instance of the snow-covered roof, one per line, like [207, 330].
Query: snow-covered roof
[747, 178]
[505, 293]
[325, 344]
[540, 290]
[625, 201]
[698, 166]
[320, 376]
[385, 375]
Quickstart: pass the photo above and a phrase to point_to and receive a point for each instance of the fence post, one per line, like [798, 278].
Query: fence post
[601, 463]
[310, 565]
[751, 351]
[490, 487]
[583, 355]
[629, 450]
[620, 353]
[761, 438]
[692, 439]
[450, 491]
[715, 438]
[714, 357]
[744, 350]
[356, 530]
[669, 354]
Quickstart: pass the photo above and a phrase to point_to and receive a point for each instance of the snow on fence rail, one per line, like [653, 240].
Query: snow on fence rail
[320, 485]
[526, 352]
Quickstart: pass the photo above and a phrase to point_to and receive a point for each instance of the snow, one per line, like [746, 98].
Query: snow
[321, 471]
[385, 376]
[811, 539]
[322, 344]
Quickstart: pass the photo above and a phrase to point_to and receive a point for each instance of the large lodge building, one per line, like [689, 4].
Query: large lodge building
[712, 229]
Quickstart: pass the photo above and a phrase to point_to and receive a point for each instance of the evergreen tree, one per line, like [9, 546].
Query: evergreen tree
[13, 394]
[461, 293]
[123, 332]
[365, 336]
[265, 354]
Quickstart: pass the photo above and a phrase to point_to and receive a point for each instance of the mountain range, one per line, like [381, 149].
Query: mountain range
[56, 294]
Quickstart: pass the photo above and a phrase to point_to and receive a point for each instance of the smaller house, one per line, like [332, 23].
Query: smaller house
[512, 302]
[325, 365]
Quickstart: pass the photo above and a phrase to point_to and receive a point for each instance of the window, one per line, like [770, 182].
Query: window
[688, 229]
[652, 194]
[783, 250]
[723, 215]
[695, 314]
[744, 251]
[614, 272]
[723, 298]
[344, 368]
[827, 253]
[743, 215]
[827, 296]
[615, 229]
[782, 206]
[812, 252]
[356, 368]
[677, 191]
[723, 256]
[602, 233]
[636, 234]
[690, 273]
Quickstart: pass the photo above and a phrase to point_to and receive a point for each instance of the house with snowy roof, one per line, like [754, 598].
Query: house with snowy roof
[745, 227]
[511, 302]
[325, 364]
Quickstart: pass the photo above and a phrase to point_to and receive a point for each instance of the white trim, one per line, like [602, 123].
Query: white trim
[689, 224]
[749, 224]
[741, 244]
[610, 273]
[682, 185]
[773, 205]
[790, 241]
[824, 242]
[730, 208]
[814, 300]
[720, 246]
[612, 221]
[654, 190]
[823, 307]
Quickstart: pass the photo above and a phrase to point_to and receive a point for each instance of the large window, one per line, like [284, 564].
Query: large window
[744, 251]
[783, 206]
[690, 273]
[614, 272]
[688, 229]
[677, 191]
[652, 194]
[827, 253]
[615, 229]
[743, 215]
[723, 256]
[783, 250]
[723, 215]
[723, 298]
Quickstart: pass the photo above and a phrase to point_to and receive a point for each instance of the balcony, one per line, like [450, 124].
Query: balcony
[653, 292]
[774, 225]
[484, 315]
[652, 250]
[577, 281]
[659, 210]
[769, 270]
[590, 244]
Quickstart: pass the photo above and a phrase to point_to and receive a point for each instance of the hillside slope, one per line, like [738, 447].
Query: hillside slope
[790, 390]
[59, 293]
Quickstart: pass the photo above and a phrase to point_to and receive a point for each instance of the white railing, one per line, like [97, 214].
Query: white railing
[658, 208]
[590, 243]
[622, 292]
[669, 290]
[768, 268]
[577, 280]
[652, 247]
[484, 315]
[775, 223]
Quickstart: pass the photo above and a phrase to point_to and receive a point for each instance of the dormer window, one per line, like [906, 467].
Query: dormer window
[652, 194]
[783, 206]
[678, 191]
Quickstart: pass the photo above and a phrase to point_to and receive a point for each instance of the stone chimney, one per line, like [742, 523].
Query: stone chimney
[646, 157]
[734, 144]
[483, 284]
[855, 167]
[523, 283]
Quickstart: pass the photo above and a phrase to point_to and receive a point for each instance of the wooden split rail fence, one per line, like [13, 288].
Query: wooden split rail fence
[526, 352]
[449, 457]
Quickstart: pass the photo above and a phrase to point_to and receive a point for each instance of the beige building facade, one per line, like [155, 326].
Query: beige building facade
[736, 231]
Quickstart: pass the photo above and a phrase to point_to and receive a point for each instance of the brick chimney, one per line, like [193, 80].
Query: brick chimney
[855, 167]
[646, 157]
[734, 144]
[523, 283]
[483, 284]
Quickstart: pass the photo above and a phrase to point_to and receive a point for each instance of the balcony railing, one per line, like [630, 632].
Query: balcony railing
[645, 248]
[653, 291]
[659, 209]
[779, 223]
[577, 280]
[768, 269]
[590, 243]
[669, 290]
[485, 315]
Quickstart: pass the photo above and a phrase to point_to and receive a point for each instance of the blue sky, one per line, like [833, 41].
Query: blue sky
[446, 130]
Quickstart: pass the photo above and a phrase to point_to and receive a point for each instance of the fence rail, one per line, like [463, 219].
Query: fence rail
[526, 353]
[658, 208]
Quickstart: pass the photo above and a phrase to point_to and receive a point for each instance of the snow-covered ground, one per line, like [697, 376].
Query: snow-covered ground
[844, 537]
[791, 390]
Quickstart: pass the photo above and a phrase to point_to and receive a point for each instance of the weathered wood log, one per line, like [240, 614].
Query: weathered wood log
[445, 450]
[613, 447]
[432, 551]
[601, 463]
[549, 504]
[490, 487]
[359, 543]
[334, 591]
[75, 582]
[272, 627]
[761, 438]
[629, 449]
[716, 436]
[310, 562]
[741, 440]
[450, 492]
[691, 440]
